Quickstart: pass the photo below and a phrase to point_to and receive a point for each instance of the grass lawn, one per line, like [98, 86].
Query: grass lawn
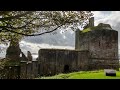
[84, 75]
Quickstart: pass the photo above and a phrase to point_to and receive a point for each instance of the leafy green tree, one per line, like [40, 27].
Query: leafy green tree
[16, 24]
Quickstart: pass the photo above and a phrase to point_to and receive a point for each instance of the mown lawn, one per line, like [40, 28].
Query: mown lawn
[84, 75]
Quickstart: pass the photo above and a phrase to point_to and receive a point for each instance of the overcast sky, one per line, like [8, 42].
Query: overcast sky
[66, 40]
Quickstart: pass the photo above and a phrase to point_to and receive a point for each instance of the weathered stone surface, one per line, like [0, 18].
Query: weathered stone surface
[54, 61]
[13, 51]
[102, 45]
[90, 24]
[23, 57]
[29, 55]
[104, 26]
[110, 72]
[23, 70]
[29, 69]
[34, 68]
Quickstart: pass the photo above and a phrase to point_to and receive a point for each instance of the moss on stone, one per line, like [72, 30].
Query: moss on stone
[90, 29]
[99, 27]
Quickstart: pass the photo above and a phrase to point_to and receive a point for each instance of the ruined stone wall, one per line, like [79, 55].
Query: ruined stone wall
[77, 39]
[102, 45]
[10, 72]
[13, 51]
[34, 68]
[54, 61]
[23, 70]
[28, 69]
[83, 60]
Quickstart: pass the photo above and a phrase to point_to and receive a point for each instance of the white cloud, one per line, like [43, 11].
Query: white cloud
[108, 17]
[34, 48]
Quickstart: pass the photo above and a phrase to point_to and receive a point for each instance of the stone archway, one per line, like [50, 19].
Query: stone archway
[66, 69]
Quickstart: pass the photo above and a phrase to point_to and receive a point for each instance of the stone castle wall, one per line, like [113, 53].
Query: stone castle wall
[102, 45]
[29, 69]
[54, 61]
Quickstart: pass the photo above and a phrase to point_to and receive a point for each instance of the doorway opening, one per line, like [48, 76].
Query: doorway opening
[66, 69]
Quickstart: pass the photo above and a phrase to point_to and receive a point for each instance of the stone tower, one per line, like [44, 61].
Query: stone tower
[13, 51]
[91, 22]
[77, 39]
[102, 43]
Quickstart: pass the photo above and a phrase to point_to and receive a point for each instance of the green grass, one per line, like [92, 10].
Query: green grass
[84, 75]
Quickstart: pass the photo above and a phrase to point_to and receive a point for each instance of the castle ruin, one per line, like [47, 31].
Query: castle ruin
[102, 44]
[96, 47]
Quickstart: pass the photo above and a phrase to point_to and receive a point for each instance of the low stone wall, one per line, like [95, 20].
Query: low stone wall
[26, 70]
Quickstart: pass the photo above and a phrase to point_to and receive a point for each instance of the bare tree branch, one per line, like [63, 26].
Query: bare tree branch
[32, 34]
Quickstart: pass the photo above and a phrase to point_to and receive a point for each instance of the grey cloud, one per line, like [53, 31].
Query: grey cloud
[110, 17]
[56, 39]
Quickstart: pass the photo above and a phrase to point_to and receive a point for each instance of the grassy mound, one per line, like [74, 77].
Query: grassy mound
[84, 75]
